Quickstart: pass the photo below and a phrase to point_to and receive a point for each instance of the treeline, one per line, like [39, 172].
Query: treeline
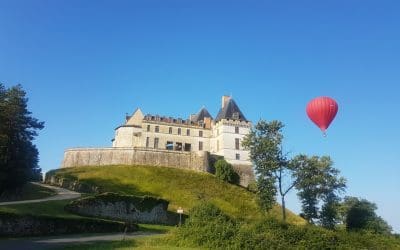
[18, 154]
[319, 185]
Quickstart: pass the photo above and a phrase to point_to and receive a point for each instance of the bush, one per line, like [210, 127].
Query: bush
[208, 227]
[224, 171]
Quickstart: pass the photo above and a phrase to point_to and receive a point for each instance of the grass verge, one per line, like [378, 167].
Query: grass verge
[28, 192]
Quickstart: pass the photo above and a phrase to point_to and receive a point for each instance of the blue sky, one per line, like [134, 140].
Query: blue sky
[85, 64]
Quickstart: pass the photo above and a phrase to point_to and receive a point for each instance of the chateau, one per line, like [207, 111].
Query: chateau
[200, 132]
[174, 142]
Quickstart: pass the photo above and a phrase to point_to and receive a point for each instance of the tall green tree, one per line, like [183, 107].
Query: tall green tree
[317, 181]
[271, 165]
[224, 171]
[359, 214]
[18, 154]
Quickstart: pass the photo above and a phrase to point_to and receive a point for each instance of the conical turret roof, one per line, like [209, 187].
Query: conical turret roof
[230, 111]
[203, 113]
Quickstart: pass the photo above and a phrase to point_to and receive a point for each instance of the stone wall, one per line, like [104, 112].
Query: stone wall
[78, 157]
[123, 208]
[198, 161]
[245, 173]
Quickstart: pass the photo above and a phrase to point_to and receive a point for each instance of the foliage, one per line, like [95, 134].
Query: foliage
[225, 172]
[211, 229]
[18, 154]
[212, 159]
[179, 187]
[359, 214]
[266, 191]
[271, 166]
[316, 181]
[206, 226]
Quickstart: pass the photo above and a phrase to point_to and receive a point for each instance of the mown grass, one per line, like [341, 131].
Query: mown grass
[47, 208]
[140, 243]
[28, 192]
[183, 188]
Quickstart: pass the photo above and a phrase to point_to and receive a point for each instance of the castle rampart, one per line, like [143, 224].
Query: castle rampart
[78, 157]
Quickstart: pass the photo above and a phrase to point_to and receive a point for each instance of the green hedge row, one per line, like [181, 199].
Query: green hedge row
[208, 227]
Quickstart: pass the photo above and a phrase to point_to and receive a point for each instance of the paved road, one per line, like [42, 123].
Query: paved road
[61, 241]
[62, 194]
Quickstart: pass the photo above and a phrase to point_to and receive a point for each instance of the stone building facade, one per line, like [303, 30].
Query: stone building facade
[200, 132]
[174, 142]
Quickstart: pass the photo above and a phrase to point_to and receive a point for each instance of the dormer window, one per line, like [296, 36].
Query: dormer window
[235, 115]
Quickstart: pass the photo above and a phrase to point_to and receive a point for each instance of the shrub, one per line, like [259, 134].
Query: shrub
[208, 227]
[224, 171]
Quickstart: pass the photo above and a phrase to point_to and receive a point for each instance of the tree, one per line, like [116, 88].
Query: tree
[316, 181]
[18, 154]
[359, 214]
[224, 171]
[271, 165]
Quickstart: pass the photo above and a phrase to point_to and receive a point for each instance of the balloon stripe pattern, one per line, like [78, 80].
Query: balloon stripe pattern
[322, 110]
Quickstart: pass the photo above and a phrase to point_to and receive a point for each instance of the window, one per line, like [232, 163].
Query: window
[147, 142]
[237, 156]
[188, 147]
[170, 130]
[156, 142]
[200, 133]
[235, 115]
[169, 145]
[200, 145]
[179, 131]
[237, 143]
[178, 146]
[148, 128]
[187, 132]
[157, 129]
[237, 130]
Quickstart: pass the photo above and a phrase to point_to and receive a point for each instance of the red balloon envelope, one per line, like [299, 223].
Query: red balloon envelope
[322, 110]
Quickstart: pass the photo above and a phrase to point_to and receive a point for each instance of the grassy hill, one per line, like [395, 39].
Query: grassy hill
[183, 188]
[27, 192]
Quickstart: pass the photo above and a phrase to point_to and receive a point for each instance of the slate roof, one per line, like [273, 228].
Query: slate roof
[203, 113]
[230, 111]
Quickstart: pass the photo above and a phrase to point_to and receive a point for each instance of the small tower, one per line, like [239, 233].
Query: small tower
[231, 126]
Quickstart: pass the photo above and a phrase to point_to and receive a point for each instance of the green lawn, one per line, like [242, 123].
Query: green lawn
[140, 243]
[28, 192]
[47, 208]
[183, 188]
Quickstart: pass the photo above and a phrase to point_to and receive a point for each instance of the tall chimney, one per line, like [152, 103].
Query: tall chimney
[225, 100]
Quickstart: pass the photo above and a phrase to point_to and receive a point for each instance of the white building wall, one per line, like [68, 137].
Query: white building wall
[127, 136]
[226, 136]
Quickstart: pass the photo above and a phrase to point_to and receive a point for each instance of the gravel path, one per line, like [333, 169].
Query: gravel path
[62, 194]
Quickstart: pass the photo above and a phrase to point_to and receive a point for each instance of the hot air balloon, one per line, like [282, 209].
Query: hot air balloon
[322, 110]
